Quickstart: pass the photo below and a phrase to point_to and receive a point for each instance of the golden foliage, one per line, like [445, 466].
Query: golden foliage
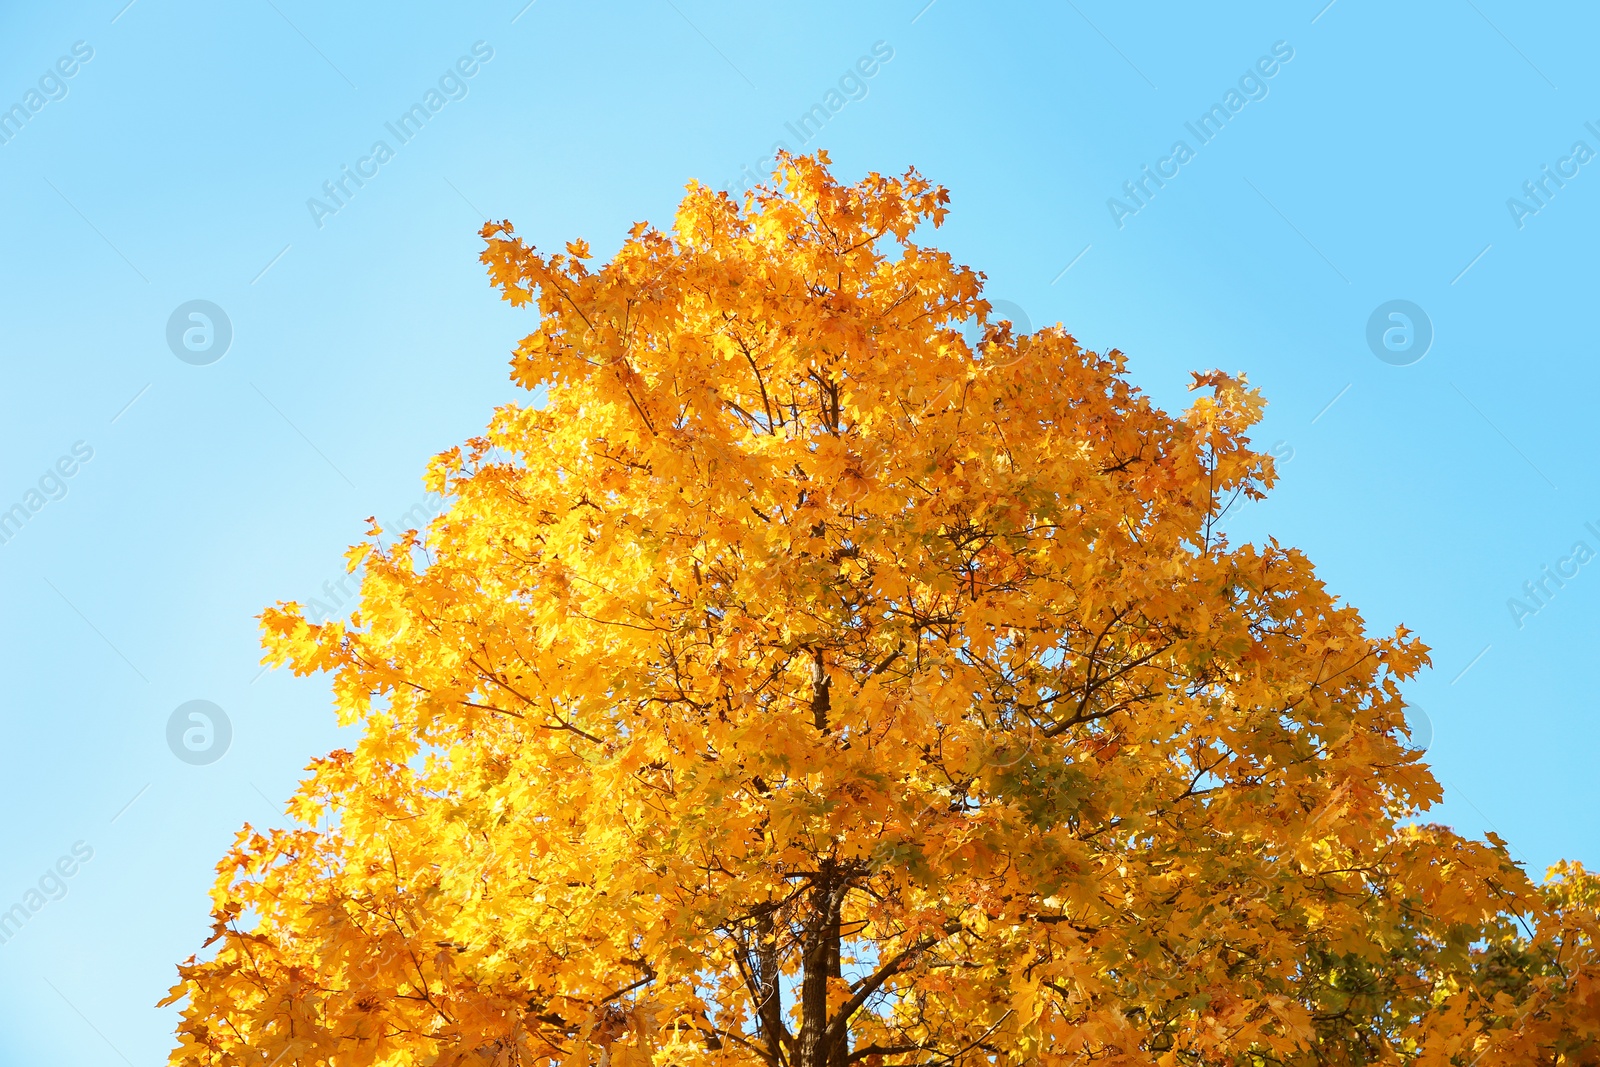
[799, 685]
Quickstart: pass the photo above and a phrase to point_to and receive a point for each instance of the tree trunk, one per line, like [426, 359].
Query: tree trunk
[769, 1008]
[821, 963]
[822, 947]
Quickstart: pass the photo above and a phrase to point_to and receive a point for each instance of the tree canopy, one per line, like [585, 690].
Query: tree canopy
[792, 683]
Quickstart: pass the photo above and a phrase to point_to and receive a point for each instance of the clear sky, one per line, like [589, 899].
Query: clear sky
[177, 474]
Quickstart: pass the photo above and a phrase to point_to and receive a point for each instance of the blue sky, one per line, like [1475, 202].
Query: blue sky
[1384, 158]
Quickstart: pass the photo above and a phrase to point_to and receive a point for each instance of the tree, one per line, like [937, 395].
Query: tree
[797, 685]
